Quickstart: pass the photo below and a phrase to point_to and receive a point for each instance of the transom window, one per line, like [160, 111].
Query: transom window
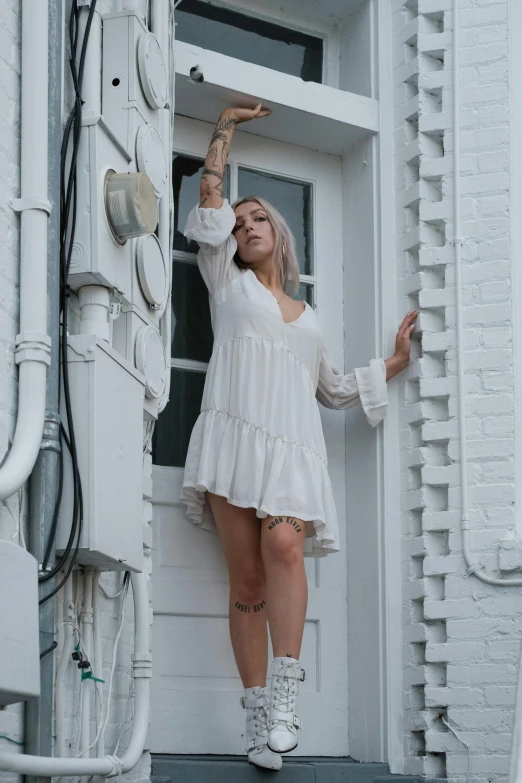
[192, 337]
[250, 39]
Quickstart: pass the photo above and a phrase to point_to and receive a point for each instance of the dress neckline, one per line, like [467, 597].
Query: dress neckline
[286, 323]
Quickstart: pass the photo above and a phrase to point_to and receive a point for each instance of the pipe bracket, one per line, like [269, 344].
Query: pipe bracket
[33, 347]
[117, 766]
[21, 204]
[51, 433]
[142, 665]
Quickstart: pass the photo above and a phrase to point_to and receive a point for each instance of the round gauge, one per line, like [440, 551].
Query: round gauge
[151, 158]
[153, 71]
[131, 204]
[150, 361]
[152, 271]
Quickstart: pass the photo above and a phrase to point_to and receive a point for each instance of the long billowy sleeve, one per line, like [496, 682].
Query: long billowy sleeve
[212, 230]
[366, 385]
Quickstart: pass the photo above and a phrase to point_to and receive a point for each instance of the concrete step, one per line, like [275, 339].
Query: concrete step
[296, 769]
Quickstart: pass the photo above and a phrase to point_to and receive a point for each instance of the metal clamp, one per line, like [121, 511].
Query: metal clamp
[31, 202]
[117, 766]
[142, 665]
[33, 347]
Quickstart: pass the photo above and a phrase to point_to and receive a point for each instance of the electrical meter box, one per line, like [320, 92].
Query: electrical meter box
[19, 631]
[107, 396]
[98, 258]
[134, 87]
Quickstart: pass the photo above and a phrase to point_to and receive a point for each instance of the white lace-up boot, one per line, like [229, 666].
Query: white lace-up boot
[256, 701]
[282, 720]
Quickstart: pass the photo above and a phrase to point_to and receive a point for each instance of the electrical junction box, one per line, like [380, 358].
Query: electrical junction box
[107, 405]
[19, 630]
[139, 341]
[97, 257]
[134, 90]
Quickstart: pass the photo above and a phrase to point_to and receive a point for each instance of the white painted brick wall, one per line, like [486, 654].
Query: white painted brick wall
[462, 637]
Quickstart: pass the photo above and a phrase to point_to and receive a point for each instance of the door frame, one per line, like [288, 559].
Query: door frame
[326, 605]
[385, 626]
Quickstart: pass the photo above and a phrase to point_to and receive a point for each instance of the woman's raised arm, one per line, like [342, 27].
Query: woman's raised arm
[211, 185]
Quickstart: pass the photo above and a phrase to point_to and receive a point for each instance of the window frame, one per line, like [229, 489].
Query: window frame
[191, 258]
[329, 34]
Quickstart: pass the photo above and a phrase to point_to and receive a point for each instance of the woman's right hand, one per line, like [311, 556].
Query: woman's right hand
[243, 115]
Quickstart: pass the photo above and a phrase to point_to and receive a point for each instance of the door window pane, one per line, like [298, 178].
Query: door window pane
[192, 336]
[293, 200]
[186, 174]
[175, 424]
[306, 292]
[247, 38]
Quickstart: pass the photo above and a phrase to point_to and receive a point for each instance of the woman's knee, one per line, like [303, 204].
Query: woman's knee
[282, 540]
[248, 584]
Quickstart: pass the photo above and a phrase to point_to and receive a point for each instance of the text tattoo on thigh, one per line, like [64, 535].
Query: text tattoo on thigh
[290, 520]
[248, 607]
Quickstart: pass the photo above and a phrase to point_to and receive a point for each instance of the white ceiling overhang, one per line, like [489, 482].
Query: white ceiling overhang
[311, 115]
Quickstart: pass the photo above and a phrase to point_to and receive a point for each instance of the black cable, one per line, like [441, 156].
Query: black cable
[53, 646]
[65, 205]
[68, 215]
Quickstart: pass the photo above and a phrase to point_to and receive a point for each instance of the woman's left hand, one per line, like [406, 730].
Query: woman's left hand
[403, 339]
[401, 357]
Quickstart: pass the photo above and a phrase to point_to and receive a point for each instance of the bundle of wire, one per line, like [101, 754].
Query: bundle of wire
[68, 185]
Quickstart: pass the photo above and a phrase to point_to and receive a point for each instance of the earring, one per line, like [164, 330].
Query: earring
[284, 250]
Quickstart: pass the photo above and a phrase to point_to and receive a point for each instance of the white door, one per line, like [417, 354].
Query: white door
[196, 687]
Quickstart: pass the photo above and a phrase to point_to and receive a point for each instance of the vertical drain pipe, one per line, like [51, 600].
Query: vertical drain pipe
[43, 482]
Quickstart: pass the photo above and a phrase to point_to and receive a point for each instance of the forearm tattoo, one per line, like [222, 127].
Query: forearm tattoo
[290, 520]
[248, 607]
[216, 160]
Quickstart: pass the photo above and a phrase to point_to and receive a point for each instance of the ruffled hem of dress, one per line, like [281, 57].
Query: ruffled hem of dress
[264, 472]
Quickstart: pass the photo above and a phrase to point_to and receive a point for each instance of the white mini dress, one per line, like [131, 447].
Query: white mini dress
[258, 439]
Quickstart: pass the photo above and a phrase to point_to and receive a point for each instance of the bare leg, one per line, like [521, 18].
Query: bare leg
[240, 534]
[282, 543]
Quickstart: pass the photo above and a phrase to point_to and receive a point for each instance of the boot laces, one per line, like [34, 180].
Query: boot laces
[260, 720]
[285, 691]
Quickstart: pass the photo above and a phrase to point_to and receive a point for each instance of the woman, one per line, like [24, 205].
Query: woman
[256, 468]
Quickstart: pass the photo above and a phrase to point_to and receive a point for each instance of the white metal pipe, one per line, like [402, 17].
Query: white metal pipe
[475, 568]
[33, 343]
[87, 635]
[69, 619]
[98, 656]
[94, 302]
[40, 766]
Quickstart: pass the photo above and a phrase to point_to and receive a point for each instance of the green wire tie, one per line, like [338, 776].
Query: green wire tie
[85, 674]
[88, 675]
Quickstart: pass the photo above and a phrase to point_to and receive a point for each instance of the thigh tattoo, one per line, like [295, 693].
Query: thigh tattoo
[290, 520]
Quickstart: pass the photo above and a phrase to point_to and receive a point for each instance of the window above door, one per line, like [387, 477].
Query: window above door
[251, 39]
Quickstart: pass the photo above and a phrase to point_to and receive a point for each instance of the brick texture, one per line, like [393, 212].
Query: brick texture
[462, 636]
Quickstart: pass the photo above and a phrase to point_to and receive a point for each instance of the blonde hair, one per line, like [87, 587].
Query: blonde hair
[284, 255]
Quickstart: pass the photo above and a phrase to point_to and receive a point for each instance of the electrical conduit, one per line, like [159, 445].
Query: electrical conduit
[69, 620]
[33, 345]
[98, 657]
[108, 766]
[87, 637]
